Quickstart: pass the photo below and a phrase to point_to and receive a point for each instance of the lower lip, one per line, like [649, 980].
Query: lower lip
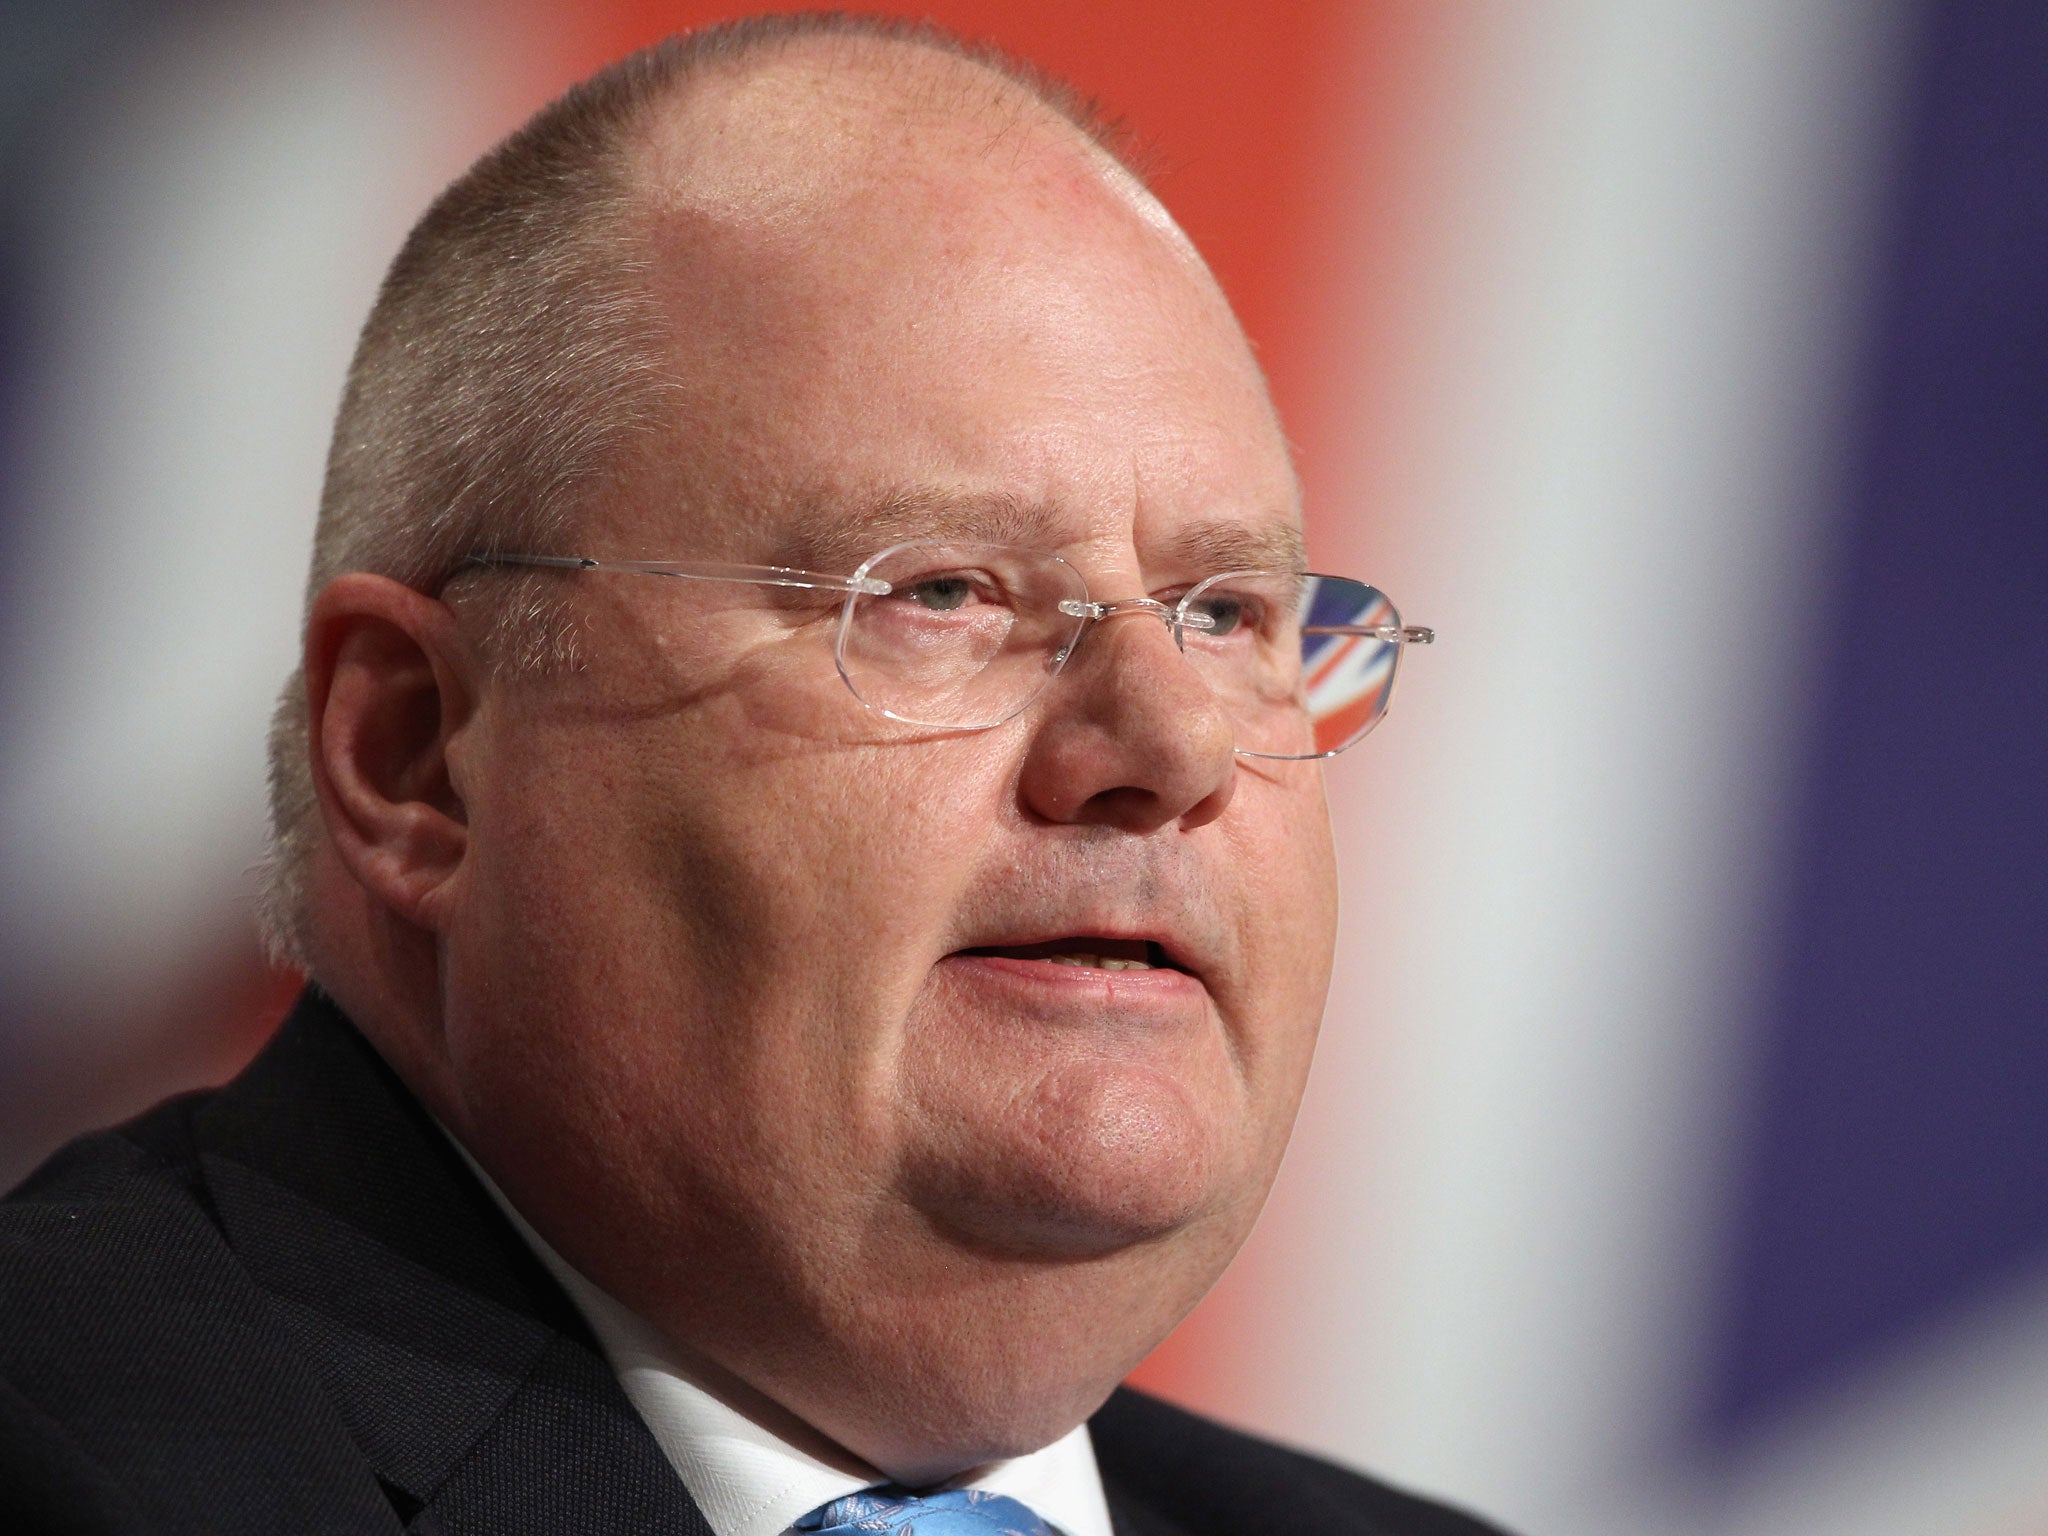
[1046, 976]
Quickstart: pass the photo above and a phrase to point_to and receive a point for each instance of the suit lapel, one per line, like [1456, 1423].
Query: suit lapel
[464, 1375]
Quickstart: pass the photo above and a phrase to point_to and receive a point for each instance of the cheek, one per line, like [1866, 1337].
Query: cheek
[720, 849]
[1284, 908]
[701, 943]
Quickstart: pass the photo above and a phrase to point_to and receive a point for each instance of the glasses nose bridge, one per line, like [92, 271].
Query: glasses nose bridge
[1093, 613]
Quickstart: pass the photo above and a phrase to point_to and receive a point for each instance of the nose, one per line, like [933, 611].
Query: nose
[1129, 736]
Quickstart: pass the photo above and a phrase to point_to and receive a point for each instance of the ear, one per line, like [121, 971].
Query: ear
[390, 683]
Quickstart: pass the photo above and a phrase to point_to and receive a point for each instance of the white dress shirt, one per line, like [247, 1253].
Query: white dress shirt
[752, 1466]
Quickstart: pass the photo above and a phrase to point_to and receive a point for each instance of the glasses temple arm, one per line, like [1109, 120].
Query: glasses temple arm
[697, 570]
[1399, 634]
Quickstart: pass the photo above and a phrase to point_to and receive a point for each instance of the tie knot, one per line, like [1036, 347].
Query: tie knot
[958, 1512]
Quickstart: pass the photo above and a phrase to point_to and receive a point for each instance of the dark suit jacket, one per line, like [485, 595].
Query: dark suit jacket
[286, 1308]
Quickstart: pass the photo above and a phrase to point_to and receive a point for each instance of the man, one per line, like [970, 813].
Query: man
[818, 905]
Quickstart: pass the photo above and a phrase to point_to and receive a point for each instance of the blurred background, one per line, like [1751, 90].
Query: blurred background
[1677, 1159]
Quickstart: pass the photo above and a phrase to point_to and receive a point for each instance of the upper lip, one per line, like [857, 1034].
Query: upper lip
[1081, 894]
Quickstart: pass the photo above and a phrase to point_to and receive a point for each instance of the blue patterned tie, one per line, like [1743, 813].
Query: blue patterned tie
[960, 1512]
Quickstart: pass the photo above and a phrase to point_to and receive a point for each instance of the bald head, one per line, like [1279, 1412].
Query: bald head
[780, 136]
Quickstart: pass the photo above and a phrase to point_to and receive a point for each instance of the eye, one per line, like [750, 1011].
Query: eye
[938, 594]
[1225, 611]
[962, 591]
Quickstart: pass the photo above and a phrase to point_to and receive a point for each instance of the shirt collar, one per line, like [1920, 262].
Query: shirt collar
[751, 1465]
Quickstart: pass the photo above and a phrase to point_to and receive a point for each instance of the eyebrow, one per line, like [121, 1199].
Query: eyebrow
[1224, 544]
[839, 535]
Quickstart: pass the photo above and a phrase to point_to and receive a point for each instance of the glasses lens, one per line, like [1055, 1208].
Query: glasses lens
[966, 635]
[1298, 661]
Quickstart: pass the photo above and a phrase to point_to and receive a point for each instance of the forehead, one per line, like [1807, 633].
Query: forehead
[894, 315]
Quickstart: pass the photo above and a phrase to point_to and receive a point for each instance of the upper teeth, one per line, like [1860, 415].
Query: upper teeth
[1101, 962]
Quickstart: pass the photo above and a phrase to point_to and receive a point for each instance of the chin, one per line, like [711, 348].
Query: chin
[1020, 1215]
[1088, 1163]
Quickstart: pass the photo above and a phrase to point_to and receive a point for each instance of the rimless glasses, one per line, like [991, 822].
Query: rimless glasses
[963, 637]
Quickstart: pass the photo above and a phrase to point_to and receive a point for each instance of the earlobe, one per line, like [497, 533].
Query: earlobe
[390, 685]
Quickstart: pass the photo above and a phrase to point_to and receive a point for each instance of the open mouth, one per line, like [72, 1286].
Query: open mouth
[1088, 952]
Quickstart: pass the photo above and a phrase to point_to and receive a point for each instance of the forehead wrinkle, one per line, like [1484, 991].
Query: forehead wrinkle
[839, 535]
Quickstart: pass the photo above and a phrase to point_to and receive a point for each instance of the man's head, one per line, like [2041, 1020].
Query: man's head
[752, 999]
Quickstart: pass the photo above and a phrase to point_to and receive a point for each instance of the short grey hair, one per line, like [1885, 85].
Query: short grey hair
[513, 352]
